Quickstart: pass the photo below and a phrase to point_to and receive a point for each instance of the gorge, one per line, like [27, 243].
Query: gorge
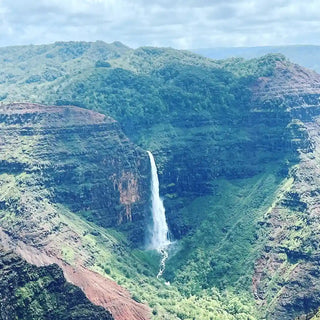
[236, 144]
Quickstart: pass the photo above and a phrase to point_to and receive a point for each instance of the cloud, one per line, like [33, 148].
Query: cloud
[179, 23]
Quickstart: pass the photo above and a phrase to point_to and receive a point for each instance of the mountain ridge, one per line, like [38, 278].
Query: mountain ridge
[305, 55]
[28, 292]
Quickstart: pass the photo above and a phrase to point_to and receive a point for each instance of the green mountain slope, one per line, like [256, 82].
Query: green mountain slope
[53, 163]
[230, 138]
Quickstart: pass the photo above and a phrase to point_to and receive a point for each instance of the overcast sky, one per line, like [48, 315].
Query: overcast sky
[176, 23]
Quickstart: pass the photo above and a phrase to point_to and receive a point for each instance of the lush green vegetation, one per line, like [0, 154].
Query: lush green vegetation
[110, 255]
[228, 224]
[304, 55]
[221, 166]
[29, 293]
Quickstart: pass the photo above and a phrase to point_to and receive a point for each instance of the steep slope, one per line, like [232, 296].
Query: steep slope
[57, 159]
[236, 146]
[266, 220]
[46, 151]
[225, 153]
[28, 292]
[79, 158]
[285, 280]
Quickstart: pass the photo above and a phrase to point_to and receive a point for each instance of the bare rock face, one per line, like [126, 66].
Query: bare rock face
[59, 167]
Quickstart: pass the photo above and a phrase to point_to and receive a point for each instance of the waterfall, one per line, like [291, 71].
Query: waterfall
[160, 231]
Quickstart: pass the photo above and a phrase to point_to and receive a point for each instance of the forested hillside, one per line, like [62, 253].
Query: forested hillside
[305, 55]
[236, 144]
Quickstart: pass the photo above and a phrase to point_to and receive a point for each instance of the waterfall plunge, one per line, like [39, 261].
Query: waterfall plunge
[160, 232]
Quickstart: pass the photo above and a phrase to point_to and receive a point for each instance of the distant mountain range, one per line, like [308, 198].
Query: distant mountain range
[305, 55]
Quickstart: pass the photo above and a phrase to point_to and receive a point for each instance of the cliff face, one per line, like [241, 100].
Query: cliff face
[255, 186]
[236, 144]
[79, 158]
[262, 132]
[285, 282]
[61, 164]
[29, 292]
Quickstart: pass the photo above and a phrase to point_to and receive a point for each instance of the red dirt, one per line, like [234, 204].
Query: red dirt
[99, 290]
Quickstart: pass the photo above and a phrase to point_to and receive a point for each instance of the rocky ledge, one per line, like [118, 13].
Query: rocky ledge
[80, 157]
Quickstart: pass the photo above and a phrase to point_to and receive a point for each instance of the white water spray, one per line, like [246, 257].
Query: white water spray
[160, 232]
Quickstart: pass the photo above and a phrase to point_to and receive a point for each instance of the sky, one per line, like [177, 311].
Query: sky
[182, 24]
